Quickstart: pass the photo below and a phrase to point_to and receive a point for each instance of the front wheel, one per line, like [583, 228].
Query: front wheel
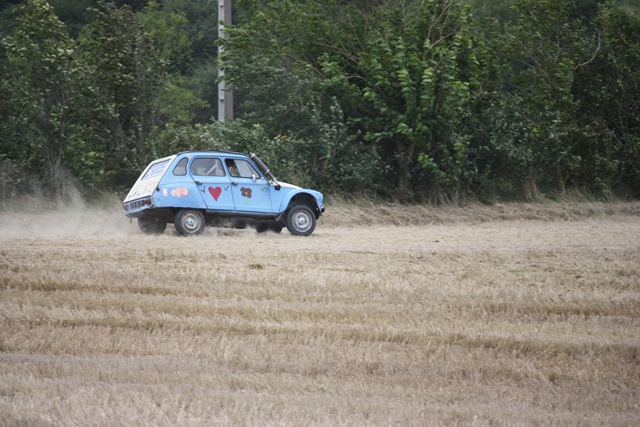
[301, 221]
[189, 222]
[151, 226]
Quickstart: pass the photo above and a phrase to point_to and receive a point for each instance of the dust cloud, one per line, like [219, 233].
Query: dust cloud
[31, 218]
[36, 219]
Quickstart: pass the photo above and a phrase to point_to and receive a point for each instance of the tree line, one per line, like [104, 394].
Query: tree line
[408, 100]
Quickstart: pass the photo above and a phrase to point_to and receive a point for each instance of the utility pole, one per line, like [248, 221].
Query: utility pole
[225, 91]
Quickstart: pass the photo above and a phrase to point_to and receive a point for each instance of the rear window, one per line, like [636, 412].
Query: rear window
[156, 169]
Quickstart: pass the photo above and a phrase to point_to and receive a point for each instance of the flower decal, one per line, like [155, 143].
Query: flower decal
[180, 192]
[246, 192]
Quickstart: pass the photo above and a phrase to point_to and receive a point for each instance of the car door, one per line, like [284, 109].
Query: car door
[213, 182]
[249, 188]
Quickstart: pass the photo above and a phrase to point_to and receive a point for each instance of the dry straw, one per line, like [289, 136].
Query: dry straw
[502, 315]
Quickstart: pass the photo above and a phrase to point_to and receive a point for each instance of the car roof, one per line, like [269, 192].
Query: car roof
[235, 153]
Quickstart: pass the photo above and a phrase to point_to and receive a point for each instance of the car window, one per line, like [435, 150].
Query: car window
[181, 167]
[240, 168]
[207, 167]
[156, 169]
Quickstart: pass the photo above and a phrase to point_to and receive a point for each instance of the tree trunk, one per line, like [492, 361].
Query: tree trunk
[405, 157]
[530, 189]
[560, 180]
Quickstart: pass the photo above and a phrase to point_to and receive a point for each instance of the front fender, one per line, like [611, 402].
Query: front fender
[301, 195]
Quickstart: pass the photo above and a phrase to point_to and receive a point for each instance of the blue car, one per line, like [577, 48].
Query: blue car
[219, 188]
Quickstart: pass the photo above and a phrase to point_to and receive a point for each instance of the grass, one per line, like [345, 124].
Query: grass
[484, 315]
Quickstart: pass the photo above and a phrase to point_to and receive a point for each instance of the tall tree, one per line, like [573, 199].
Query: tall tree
[41, 90]
[608, 91]
[273, 58]
[200, 70]
[546, 47]
[416, 69]
[401, 71]
[135, 60]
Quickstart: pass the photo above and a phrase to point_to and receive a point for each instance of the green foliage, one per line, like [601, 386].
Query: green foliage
[276, 70]
[137, 93]
[409, 99]
[200, 69]
[41, 92]
[100, 108]
[417, 70]
[609, 89]
[544, 47]
[399, 75]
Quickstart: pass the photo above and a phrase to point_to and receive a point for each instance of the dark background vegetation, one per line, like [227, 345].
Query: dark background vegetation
[407, 100]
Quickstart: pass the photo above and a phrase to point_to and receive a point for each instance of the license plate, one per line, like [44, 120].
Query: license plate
[134, 205]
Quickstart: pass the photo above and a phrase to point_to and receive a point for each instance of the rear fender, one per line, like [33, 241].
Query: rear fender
[178, 195]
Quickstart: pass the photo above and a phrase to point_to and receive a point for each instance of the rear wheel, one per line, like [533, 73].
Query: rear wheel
[189, 222]
[151, 226]
[301, 221]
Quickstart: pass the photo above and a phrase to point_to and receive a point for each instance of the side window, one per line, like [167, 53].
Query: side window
[231, 166]
[206, 167]
[181, 167]
[241, 169]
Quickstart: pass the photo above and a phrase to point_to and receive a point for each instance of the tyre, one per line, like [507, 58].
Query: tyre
[189, 222]
[301, 221]
[151, 226]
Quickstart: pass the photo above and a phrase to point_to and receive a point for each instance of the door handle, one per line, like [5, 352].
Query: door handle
[234, 183]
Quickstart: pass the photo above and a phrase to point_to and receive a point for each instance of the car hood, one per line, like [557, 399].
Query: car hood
[287, 185]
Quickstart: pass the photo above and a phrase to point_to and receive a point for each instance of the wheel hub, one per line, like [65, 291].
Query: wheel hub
[302, 221]
[190, 222]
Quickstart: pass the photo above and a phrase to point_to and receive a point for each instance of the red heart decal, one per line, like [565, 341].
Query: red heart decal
[215, 192]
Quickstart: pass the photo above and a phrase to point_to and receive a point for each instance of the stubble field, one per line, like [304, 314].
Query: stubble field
[503, 315]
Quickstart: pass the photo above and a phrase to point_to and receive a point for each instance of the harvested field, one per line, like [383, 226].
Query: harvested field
[516, 315]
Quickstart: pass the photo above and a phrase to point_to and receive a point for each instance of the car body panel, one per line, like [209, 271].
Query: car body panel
[249, 187]
[289, 191]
